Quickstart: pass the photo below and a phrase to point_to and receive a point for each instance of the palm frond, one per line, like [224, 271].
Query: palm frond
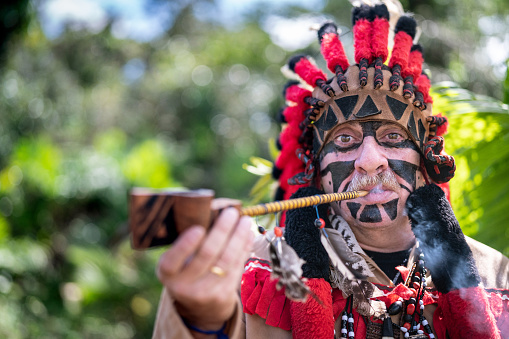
[478, 138]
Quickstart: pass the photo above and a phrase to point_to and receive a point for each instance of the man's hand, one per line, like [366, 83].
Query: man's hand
[202, 271]
[441, 240]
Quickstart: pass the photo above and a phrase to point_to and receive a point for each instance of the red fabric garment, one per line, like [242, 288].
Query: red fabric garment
[310, 319]
[466, 313]
[260, 296]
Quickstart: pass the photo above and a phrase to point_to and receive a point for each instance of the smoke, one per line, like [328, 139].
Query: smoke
[386, 178]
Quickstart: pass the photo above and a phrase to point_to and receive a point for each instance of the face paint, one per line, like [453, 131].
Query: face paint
[369, 128]
[340, 170]
[370, 214]
[405, 188]
[354, 208]
[405, 170]
[391, 208]
[341, 157]
[404, 144]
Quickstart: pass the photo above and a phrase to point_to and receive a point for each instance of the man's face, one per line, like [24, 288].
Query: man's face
[375, 156]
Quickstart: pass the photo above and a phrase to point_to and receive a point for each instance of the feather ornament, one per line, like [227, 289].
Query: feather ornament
[287, 268]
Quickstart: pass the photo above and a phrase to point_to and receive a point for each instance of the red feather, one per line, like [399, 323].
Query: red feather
[333, 52]
[362, 40]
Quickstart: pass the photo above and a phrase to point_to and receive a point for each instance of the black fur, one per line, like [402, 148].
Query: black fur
[361, 12]
[288, 84]
[417, 47]
[278, 144]
[406, 24]
[280, 194]
[328, 27]
[381, 11]
[276, 172]
[281, 117]
[304, 237]
[294, 60]
[445, 249]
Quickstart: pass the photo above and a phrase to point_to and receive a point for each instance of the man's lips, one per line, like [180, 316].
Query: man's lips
[377, 195]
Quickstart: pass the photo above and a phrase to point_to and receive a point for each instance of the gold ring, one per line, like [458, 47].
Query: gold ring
[218, 271]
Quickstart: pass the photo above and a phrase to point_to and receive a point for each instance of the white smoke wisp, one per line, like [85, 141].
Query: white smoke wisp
[386, 178]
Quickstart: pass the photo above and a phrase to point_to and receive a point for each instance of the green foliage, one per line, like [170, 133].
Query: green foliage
[87, 116]
[478, 137]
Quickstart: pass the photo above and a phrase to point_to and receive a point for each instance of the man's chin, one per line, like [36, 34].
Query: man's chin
[384, 223]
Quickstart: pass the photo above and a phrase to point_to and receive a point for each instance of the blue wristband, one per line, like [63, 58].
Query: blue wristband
[220, 334]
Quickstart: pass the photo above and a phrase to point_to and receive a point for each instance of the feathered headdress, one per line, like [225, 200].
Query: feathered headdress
[376, 87]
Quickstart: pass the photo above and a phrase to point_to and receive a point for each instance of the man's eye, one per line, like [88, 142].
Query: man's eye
[345, 138]
[393, 136]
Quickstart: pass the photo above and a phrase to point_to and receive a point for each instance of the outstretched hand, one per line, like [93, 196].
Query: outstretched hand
[202, 271]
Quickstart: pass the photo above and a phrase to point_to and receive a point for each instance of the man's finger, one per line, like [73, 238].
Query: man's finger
[238, 249]
[173, 260]
[214, 243]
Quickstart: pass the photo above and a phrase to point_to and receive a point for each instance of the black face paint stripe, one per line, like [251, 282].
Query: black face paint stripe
[404, 187]
[391, 208]
[369, 128]
[405, 170]
[403, 144]
[354, 208]
[370, 213]
[340, 170]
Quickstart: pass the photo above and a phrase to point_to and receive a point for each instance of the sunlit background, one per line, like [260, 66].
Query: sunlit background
[98, 96]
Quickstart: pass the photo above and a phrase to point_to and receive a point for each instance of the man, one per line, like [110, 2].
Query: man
[369, 128]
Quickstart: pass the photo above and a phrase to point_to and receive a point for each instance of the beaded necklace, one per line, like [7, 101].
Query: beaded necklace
[412, 318]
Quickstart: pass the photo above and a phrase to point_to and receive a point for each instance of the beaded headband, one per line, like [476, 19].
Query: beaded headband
[396, 92]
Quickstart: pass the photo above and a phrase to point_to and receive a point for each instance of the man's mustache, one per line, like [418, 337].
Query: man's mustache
[386, 178]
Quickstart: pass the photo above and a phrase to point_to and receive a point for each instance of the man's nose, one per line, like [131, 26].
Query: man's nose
[371, 160]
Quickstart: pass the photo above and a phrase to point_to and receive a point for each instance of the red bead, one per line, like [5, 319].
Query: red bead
[407, 326]
[319, 223]
[416, 285]
[278, 232]
[410, 309]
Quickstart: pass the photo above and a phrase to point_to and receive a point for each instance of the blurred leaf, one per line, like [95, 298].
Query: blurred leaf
[147, 165]
[478, 138]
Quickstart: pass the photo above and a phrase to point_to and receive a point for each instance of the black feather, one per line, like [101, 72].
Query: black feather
[406, 24]
[328, 27]
[294, 60]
